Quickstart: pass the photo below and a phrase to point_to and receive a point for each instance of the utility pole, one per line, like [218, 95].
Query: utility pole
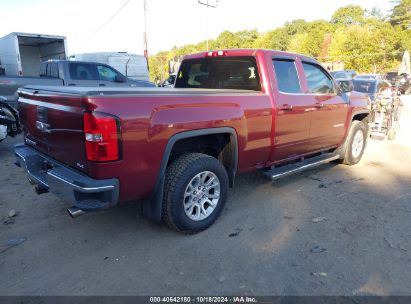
[145, 31]
[207, 5]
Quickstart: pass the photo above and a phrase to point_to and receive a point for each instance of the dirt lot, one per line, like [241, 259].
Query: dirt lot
[335, 230]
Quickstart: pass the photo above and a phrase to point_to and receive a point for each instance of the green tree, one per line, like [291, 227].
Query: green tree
[401, 14]
[347, 15]
[274, 40]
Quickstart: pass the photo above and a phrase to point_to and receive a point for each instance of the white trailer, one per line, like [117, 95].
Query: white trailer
[132, 65]
[21, 54]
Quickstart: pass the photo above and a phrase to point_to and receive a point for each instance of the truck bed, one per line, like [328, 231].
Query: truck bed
[120, 91]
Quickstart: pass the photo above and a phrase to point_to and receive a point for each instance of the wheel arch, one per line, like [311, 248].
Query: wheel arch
[153, 205]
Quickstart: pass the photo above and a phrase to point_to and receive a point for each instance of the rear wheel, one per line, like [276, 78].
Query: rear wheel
[195, 192]
[354, 146]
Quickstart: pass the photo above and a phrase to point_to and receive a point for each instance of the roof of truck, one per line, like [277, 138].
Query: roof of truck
[248, 52]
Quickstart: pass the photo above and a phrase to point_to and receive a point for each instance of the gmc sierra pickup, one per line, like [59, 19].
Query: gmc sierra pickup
[230, 112]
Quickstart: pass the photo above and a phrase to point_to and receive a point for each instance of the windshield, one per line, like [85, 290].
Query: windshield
[364, 86]
[239, 73]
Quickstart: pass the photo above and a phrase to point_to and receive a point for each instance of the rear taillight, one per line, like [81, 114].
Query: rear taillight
[102, 136]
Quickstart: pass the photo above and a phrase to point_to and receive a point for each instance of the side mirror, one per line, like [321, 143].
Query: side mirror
[120, 78]
[346, 85]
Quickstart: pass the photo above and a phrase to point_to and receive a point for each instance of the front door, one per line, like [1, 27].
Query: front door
[330, 109]
[293, 112]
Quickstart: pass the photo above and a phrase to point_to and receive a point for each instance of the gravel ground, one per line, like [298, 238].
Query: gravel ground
[335, 230]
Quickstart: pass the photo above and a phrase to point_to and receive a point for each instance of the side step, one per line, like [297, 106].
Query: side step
[296, 167]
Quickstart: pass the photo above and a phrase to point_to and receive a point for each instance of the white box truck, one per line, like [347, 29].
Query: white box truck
[131, 65]
[21, 53]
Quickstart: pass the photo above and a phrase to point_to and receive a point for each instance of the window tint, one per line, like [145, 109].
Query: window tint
[287, 77]
[318, 81]
[106, 73]
[43, 69]
[364, 86]
[83, 71]
[54, 70]
[48, 73]
[239, 73]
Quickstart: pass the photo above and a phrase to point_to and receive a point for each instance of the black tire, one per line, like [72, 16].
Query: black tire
[346, 151]
[178, 176]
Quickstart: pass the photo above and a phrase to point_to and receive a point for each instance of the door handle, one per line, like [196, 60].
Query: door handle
[286, 107]
[101, 85]
[319, 105]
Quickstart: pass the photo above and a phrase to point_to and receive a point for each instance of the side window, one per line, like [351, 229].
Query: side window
[83, 71]
[48, 72]
[106, 73]
[287, 77]
[43, 70]
[318, 81]
[54, 70]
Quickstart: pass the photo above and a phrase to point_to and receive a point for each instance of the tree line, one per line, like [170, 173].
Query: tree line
[364, 40]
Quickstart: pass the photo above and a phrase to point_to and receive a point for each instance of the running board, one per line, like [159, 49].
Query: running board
[299, 166]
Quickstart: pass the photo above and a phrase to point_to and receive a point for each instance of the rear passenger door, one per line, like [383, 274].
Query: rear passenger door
[330, 108]
[293, 111]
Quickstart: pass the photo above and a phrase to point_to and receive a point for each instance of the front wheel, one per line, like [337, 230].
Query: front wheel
[355, 144]
[196, 188]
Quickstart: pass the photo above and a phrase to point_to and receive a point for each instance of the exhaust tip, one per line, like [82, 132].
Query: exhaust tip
[75, 212]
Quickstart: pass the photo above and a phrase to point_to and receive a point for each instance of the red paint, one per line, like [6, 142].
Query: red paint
[266, 132]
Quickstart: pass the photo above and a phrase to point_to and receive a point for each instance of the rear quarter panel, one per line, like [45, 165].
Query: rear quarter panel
[148, 122]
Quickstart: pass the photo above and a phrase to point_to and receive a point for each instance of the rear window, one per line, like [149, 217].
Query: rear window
[239, 73]
[83, 71]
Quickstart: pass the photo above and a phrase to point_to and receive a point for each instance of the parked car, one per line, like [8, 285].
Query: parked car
[69, 73]
[370, 87]
[230, 112]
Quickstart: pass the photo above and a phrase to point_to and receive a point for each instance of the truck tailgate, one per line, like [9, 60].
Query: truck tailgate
[53, 125]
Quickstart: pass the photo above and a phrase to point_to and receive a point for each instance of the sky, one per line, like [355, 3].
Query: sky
[169, 22]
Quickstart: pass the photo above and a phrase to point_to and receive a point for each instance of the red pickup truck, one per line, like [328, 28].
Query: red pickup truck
[179, 149]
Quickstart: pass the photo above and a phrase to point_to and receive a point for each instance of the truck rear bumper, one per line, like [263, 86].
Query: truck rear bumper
[47, 175]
